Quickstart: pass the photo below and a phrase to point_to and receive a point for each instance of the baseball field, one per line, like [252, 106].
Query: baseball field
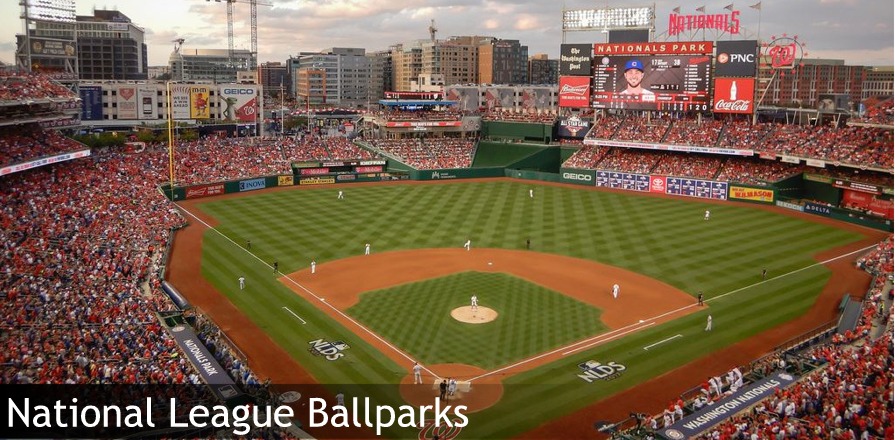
[544, 264]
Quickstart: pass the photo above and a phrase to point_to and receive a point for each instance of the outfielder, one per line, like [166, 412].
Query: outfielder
[341, 196]
[242, 283]
[708, 214]
[615, 290]
[531, 193]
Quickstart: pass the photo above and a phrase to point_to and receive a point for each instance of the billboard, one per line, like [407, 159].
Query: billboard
[573, 127]
[467, 98]
[734, 95]
[53, 48]
[533, 98]
[127, 102]
[575, 59]
[574, 91]
[146, 96]
[180, 101]
[240, 103]
[91, 103]
[199, 108]
[736, 58]
[500, 97]
[652, 82]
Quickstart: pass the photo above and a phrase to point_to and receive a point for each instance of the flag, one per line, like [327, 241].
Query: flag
[756, 6]
[677, 10]
[729, 7]
[701, 9]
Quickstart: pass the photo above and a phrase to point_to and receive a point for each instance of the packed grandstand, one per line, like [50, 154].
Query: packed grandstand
[84, 242]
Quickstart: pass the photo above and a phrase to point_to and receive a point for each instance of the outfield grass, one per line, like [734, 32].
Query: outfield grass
[660, 237]
[531, 320]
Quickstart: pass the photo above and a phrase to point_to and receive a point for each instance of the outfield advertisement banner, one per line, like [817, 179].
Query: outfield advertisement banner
[627, 181]
[180, 101]
[763, 195]
[578, 176]
[43, 161]
[704, 189]
[668, 147]
[711, 415]
[147, 101]
[285, 181]
[204, 191]
[316, 181]
[253, 184]
[818, 209]
[788, 205]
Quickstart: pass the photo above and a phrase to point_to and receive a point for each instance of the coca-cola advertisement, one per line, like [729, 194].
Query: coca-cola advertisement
[574, 91]
[734, 95]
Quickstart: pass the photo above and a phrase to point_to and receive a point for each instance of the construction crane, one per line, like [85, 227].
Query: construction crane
[432, 30]
[253, 13]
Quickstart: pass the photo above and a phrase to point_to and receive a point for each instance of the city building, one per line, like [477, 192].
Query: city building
[542, 70]
[213, 65]
[334, 77]
[503, 62]
[110, 47]
[380, 80]
[272, 75]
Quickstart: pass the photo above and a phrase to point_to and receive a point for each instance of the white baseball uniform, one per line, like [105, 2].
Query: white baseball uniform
[615, 290]
[242, 283]
[417, 373]
[708, 324]
[474, 302]
[367, 249]
[341, 196]
[708, 214]
[313, 266]
[468, 244]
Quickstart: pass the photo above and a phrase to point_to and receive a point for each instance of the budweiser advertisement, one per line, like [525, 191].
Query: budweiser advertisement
[574, 91]
[734, 95]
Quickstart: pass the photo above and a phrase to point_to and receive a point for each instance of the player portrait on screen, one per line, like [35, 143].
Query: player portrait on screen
[634, 72]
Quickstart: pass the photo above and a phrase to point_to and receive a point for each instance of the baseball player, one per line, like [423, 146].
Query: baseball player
[367, 249]
[452, 386]
[417, 373]
[340, 399]
[474, 302]
[764, 273]
[708, 324]
[531, 193]
[341, 196]
[313, 266]
[615, 291]
[276, 266]
[699, 299]
[468, 244]
[242, 283]
[708, 214]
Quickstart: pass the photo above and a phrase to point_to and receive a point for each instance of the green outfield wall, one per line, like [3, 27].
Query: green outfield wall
[542, 133]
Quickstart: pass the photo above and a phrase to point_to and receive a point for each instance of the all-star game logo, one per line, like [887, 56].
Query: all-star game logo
[593, 370]
[574, 127]
[330, 350]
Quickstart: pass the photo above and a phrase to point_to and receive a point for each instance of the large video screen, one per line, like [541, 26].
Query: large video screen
[652, 82]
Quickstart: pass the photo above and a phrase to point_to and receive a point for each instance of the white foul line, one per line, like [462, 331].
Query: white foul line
[293, 314]
[524, 361]
[636, 328]
[322, 300]
[662, 341]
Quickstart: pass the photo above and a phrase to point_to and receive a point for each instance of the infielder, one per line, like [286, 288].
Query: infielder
[367, 249]
[242, 283]
[615, 291]
[468, 244]
[708, 214]
[708, 324]
[313, 266]
[417, 373]
[474, 301]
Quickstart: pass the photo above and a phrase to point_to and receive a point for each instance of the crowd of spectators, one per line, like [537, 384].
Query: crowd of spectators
[648, 130]
[22, 143]
[587, 157]
[700, 166]
[703, 133]
[532, 116]
[879, 114]
[631, 160]
[419, 115]
[78, 242]
[22, 86]
[756, 171]
[216, 159]
[429, 153]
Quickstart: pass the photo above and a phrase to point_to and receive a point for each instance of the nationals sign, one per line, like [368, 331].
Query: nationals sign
[734, 95]
[574, 91]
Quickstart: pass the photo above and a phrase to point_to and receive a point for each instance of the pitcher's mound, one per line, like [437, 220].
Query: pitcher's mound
[480, 316]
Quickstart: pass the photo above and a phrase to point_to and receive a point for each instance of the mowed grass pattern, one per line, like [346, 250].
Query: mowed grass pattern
[531, 320]
[665, 238]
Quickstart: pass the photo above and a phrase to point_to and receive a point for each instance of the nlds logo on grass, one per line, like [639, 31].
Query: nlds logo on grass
[330, 350]
[593, 370]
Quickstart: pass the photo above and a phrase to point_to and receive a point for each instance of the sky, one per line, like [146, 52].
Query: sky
[857, 31]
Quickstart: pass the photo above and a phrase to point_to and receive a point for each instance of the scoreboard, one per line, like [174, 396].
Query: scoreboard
[677, 82]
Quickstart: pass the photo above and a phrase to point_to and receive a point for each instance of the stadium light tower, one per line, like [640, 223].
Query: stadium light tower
[608, 19]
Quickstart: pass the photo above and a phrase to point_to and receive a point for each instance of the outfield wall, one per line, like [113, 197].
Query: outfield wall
[542, 133]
